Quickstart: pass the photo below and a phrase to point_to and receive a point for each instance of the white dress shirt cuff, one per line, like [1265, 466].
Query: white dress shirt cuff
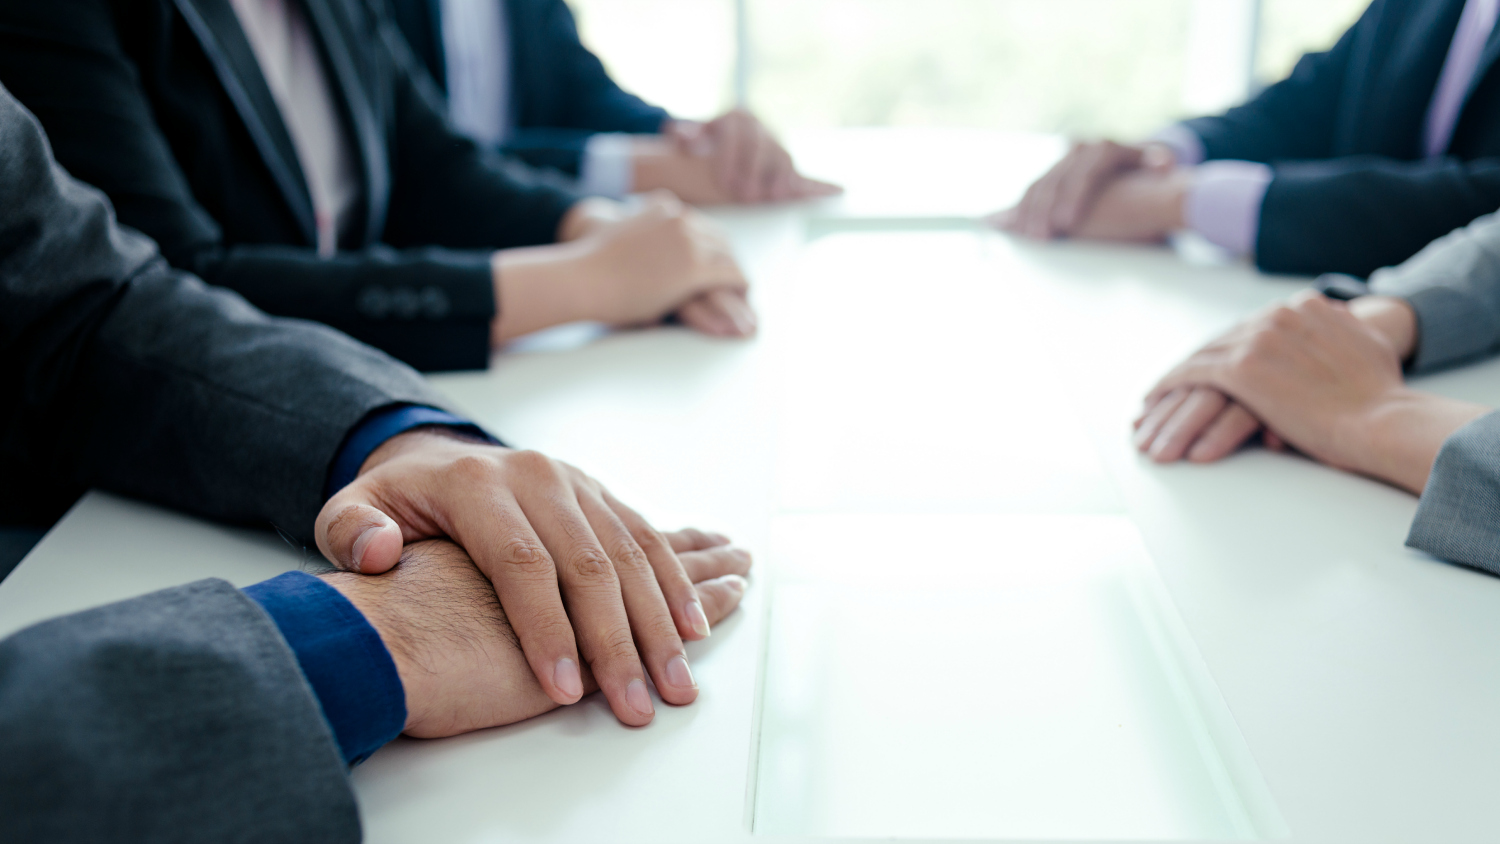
[1223, 203]
[607, 169]
[1184, 143]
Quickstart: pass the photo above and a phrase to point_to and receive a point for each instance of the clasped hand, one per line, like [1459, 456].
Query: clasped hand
[1314, 374]
[732, 158]
[1103, 190]
[587, 585]
[457, 652]
[625, 267]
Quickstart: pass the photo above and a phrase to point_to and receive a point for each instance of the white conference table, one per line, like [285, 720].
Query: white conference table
[976, 613]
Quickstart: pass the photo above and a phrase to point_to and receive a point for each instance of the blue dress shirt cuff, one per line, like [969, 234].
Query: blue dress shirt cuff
[343, 659]
[380, 426]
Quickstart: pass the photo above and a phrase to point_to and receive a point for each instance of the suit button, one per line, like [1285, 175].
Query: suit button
[405, 303]
[435, 304]
[373, 303]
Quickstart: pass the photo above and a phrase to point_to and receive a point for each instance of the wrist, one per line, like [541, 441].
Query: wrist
[1397, 438]
[1171, 201]
[541, 286]
[1392, 318]
[362, 591]
[650, 166]
[417, 439]
[587, 216]
[343, 656]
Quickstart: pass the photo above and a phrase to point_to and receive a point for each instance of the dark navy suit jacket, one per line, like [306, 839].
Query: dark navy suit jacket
[161, 104]
[1343, 134]
[560, 92]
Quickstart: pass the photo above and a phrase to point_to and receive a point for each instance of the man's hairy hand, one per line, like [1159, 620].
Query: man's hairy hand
[584, 580]
[460, 660]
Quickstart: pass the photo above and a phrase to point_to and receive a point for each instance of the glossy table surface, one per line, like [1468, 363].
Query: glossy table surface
[977, 614]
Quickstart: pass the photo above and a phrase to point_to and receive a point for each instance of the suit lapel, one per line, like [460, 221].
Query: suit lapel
[435, 46]
[1487, 61]
[215, 25]
[332, 29]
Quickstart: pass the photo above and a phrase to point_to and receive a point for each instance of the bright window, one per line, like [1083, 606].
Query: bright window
[1085, 67]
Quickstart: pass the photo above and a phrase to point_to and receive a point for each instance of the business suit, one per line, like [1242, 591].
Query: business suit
[161, 104]
[183, 715]
[1458, 517]
[1453, 287]
[179, 716]
[125, 374]
[560, 92]
[1343, 133]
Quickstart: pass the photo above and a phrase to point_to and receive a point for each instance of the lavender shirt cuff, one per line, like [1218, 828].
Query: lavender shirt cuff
[606, 169]
[1224, 202]
[1184, 143]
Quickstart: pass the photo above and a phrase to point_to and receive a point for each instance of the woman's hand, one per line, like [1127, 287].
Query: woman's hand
[1317, 378]
[663, 258]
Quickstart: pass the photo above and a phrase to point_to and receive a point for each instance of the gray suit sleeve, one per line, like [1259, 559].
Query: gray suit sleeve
[1458, 517]
[133, 377]
[180, 716]
[1454, 286]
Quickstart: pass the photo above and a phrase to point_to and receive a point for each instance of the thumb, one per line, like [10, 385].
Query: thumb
[357, 537]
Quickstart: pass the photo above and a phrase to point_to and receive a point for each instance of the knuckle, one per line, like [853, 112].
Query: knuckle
[650, 539]
[524, 553]
[472, 468]
[591, 565]
[619, 646]
[550, 625]
[1314, 305]
[1262, 340]
[1284, 317]
[531, 461]
[661, 629]
[629, 557]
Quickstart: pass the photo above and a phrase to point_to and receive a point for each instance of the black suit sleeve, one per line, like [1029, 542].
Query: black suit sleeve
[427, 297]
[1328, 212]
[1292, 119]
[582, 99]
[125, 374]
[1357, 214]
[180, 716]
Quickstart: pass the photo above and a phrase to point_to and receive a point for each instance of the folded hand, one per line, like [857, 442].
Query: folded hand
[583, 579]
[459, 658]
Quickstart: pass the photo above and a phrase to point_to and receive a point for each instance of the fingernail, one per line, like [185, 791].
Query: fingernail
[716, 538]
[678, 673]
[362, 544]
[697, 619]
[639, 700]
[736, 582]
[566, 679]
[740, 554]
